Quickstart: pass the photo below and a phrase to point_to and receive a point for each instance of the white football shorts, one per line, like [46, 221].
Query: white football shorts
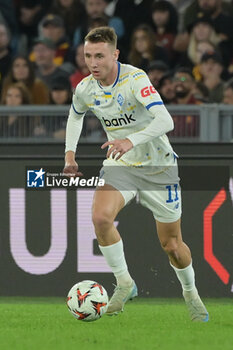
[157, 188]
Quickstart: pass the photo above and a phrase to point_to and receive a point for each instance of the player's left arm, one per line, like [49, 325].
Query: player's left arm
[161, 122]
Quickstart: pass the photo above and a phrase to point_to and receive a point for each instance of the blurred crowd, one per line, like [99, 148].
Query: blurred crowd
[185, 46]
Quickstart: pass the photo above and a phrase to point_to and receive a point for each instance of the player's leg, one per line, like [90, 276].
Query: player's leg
[165, 203]
[172, 243]
[107, 203]
[180, 259]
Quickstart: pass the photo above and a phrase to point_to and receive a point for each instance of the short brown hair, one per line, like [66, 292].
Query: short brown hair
[102, 35]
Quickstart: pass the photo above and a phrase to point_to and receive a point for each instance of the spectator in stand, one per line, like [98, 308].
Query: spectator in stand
[53, 28]
[166, 88]
[228, 92]
[181, 6]
[96, 9]
[22, 71]
[201, 92]
[5, 56]
[132, 13]
[222, 23]
[98, 22]
[184, 83]
[72, 12]
[203, 46]
[201, 30]
[61, 94]
[144, 48]
[211, 69]
[183, 86]
[82, 70]
[155, 71]
[165, 21]
[220, 11]
[44, 50]
[29, 14]
[13, 125]
[8, 17]
[16, 94]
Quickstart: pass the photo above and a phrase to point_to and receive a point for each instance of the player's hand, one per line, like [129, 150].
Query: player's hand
[71, 169]
[118, 148]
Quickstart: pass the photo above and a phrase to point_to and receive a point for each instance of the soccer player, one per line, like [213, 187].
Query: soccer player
[140, 160]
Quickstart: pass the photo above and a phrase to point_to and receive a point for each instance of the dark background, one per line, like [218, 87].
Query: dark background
[146, 260]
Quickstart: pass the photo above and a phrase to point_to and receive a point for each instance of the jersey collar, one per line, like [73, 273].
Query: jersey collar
[115, 82]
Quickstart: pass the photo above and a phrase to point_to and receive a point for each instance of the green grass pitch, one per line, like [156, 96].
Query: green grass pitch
[146, 324]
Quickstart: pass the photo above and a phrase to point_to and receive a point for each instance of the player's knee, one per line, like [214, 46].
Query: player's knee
[170, 247]
[102, 219]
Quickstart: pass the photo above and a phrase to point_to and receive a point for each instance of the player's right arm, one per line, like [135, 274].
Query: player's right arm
[73, 131]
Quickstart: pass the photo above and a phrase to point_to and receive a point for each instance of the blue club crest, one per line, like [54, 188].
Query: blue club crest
[120, 99]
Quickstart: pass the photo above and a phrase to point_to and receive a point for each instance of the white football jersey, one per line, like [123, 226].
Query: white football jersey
[125, 109]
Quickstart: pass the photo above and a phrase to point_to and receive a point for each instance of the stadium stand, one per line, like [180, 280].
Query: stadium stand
[41, 42]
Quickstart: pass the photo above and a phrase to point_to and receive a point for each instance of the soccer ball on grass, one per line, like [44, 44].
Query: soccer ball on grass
[87, 300]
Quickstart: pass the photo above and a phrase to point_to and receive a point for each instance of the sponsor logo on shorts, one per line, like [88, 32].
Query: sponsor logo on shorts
[177, 206]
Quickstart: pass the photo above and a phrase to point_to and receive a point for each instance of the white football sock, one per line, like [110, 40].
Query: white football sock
[115, 257]
[186, 277]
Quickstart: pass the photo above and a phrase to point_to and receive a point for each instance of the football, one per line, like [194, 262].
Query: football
[87, 301]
